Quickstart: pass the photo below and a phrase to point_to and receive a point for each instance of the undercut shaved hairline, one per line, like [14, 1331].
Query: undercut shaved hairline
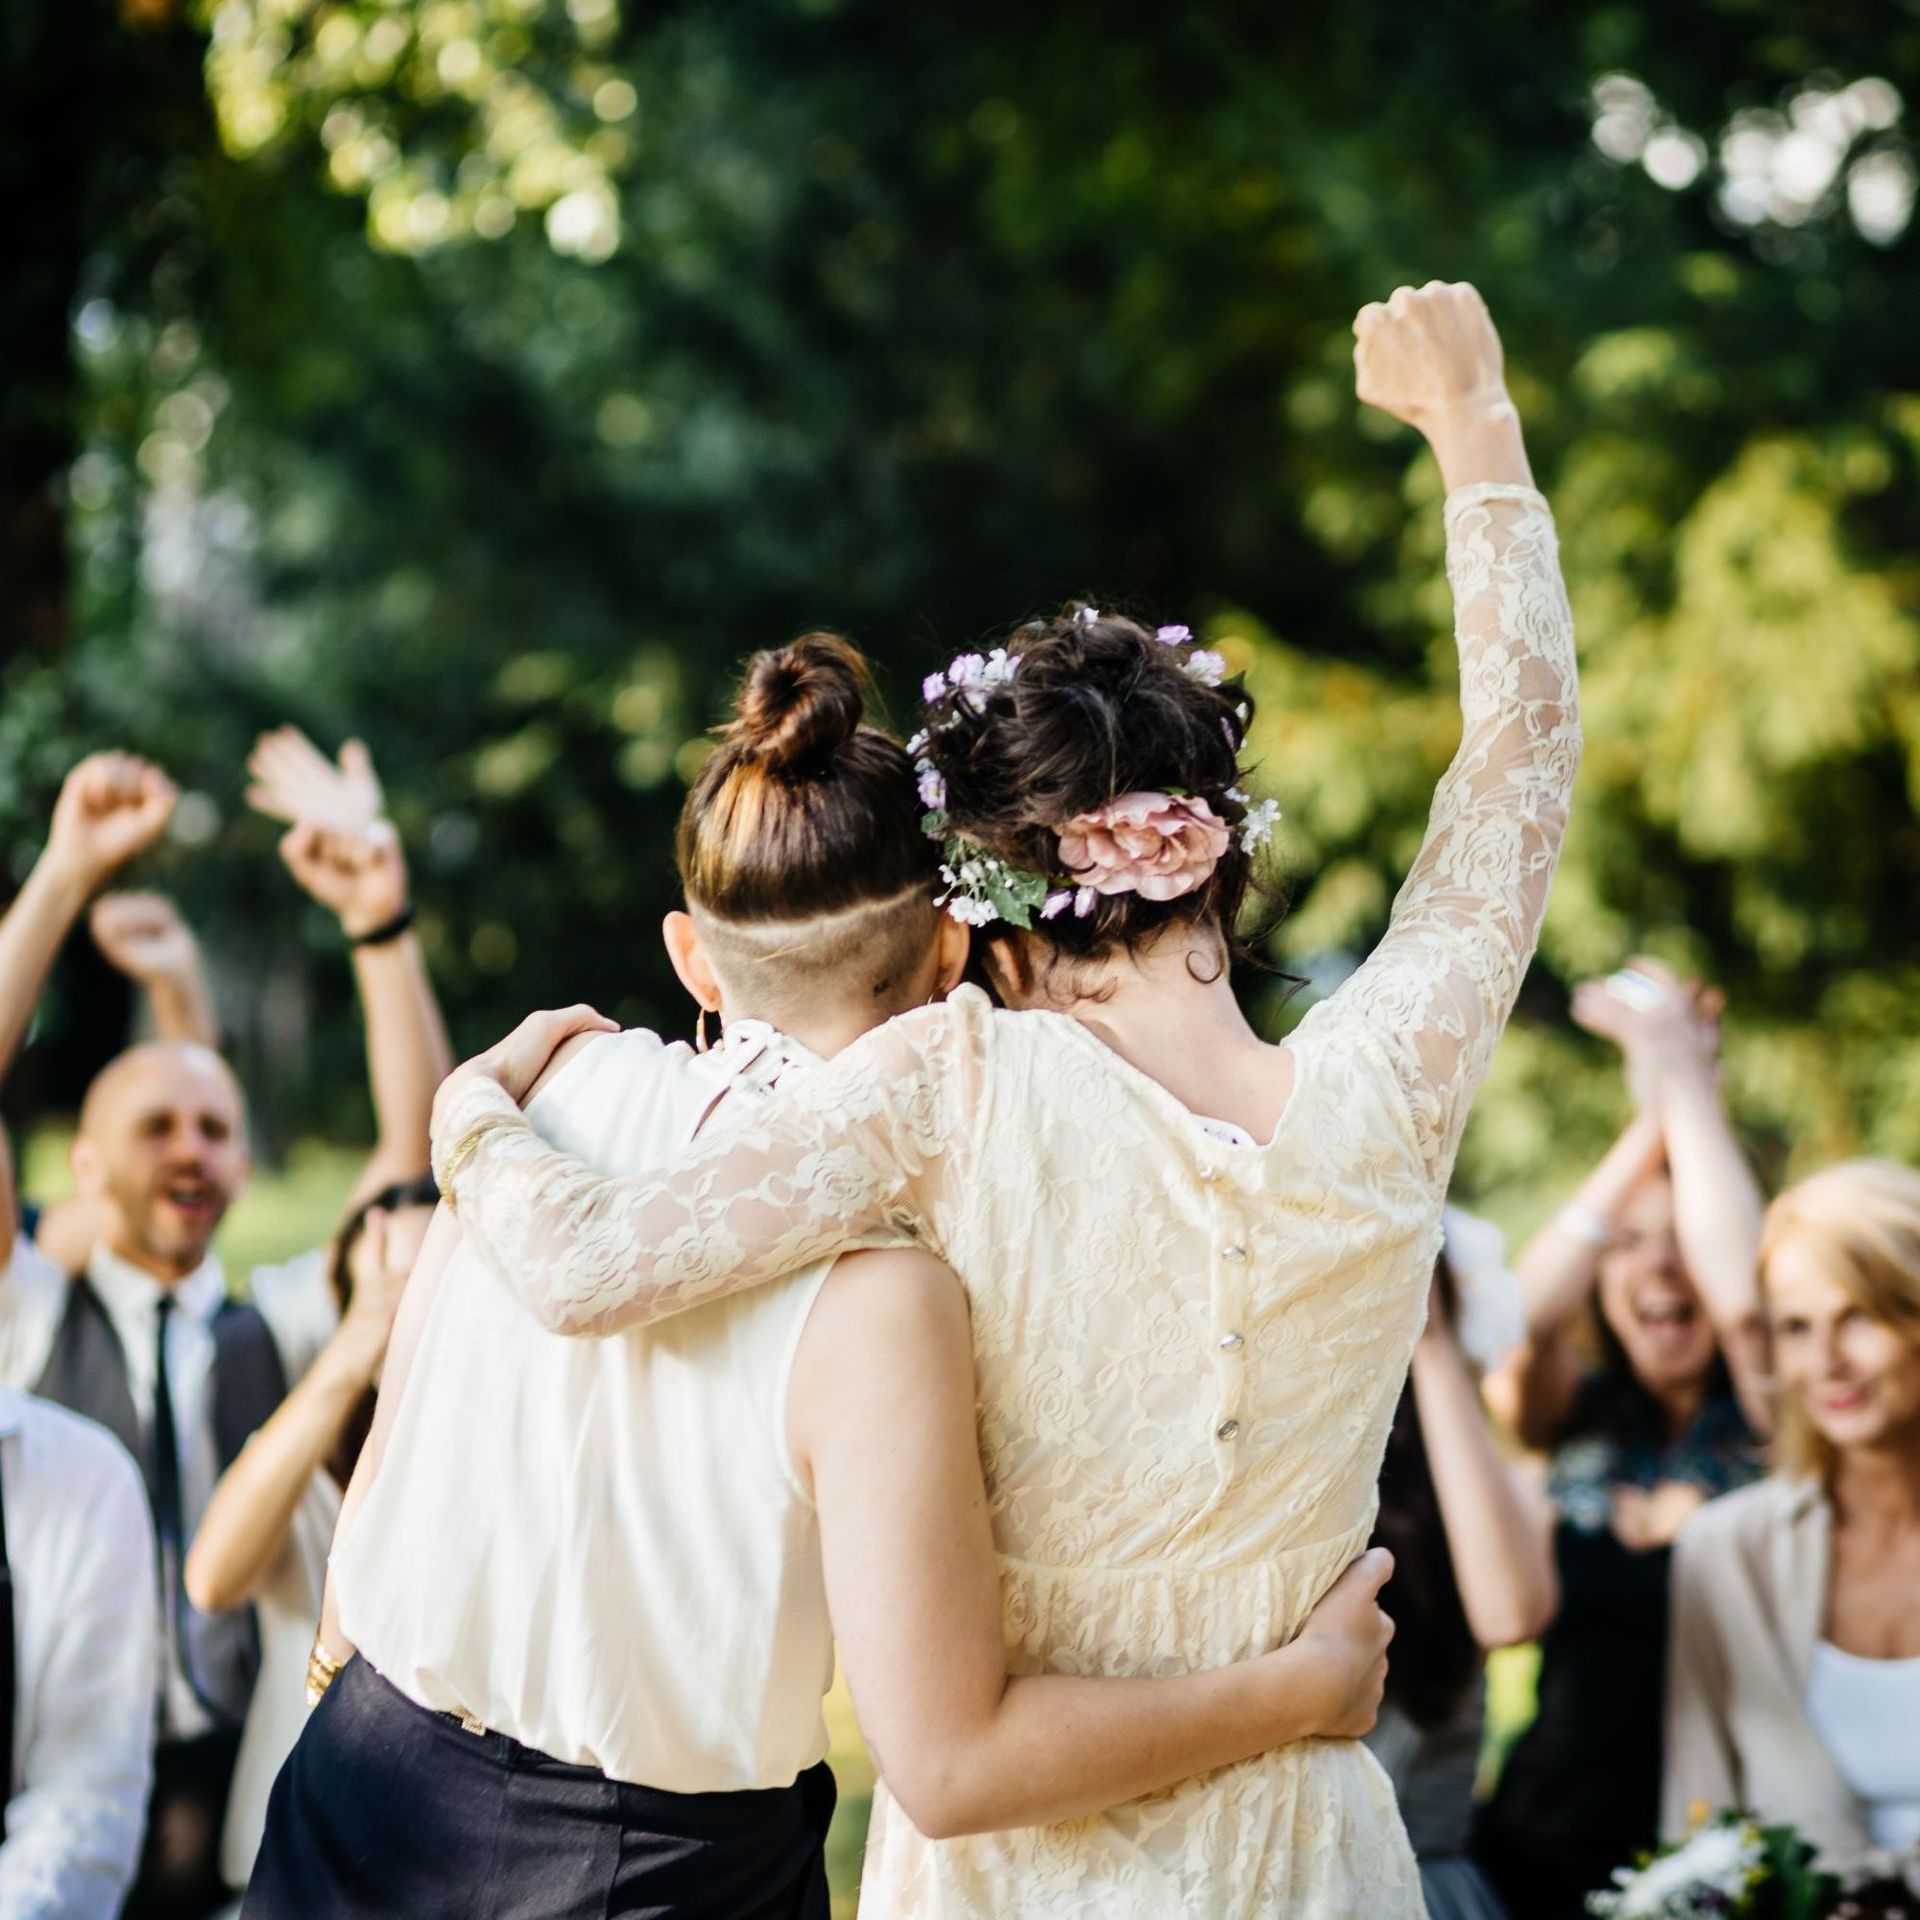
[870, 946]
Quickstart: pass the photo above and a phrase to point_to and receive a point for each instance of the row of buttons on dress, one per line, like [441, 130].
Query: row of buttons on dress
[1231, 1342]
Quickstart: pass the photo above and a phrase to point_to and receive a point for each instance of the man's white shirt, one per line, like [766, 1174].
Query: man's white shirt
[80, 1544]
[293, 1299]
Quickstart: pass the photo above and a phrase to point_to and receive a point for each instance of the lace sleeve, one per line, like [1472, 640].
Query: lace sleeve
[1437, 990]
[852, 1154]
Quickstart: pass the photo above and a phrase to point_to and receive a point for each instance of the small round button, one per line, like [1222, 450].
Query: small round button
[1226, 1429]
[1235, 1253]
[1232, 1342]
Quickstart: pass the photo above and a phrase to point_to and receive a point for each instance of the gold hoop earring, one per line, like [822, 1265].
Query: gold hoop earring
[700, 1040]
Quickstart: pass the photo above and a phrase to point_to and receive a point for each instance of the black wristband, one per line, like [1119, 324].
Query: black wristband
[386, 931]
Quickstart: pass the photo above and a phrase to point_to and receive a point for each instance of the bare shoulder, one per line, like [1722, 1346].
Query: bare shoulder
[892, 1294]
[887, 1350]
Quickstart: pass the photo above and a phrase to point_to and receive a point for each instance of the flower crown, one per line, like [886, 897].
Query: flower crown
[1158, 845]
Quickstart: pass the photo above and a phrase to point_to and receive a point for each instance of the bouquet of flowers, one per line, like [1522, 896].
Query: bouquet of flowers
[1734, 1868]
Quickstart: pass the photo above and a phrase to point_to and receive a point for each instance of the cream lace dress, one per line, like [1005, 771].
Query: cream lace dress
[1189, 1348]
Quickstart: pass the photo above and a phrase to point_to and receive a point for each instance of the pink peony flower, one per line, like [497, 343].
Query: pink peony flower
[1152, 844]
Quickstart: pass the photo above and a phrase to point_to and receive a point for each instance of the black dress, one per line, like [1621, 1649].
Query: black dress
[1580, 1793]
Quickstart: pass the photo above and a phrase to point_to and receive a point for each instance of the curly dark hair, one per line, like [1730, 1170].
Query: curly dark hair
[1099, 707]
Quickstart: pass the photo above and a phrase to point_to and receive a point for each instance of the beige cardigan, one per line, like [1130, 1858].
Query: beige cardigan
[1750, 1575]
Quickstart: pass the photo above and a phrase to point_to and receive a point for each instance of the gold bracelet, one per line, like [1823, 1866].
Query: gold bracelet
[322, 1670]
[463, 1151]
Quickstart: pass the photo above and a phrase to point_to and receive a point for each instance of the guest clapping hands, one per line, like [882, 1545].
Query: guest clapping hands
[1652, 1265]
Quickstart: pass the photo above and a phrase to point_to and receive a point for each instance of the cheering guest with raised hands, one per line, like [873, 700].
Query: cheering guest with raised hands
[1197, 1262]
[1653, 1260]
[146, 1339]
[1793, 1686]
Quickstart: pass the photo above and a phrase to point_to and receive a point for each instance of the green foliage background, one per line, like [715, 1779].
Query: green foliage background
[916, 320]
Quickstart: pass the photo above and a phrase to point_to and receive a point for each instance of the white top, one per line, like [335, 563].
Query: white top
[1867, 1714]
[293, 1299]
[81, 1548]
[1189, 1351]
[287, 1607]
[600, 1546]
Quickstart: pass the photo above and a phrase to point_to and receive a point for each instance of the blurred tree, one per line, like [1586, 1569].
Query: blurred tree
[513, 370]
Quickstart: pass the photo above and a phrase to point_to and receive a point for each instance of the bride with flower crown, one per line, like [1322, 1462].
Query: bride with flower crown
[1197, 1262]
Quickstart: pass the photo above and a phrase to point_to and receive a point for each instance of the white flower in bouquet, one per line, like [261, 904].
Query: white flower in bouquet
[1719, 1865]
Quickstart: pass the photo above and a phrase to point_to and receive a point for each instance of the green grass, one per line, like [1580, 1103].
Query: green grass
[290, 1209]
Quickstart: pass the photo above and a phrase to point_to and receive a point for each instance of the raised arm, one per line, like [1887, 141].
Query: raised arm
[144, 937]
[860, 1153]
[1499, 1528]
[1437, 990]
[245, 1526]
[1533, 1388]
[111, 807]
[344, 852]
[1670, 1033]
[881, 1411]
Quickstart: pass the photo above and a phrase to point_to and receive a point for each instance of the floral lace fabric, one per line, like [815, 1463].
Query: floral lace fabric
[1189, 1350]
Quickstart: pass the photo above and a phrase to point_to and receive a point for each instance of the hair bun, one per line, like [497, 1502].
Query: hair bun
[800, 704]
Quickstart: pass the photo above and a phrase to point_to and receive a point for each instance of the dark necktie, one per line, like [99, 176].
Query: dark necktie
[163, 1451]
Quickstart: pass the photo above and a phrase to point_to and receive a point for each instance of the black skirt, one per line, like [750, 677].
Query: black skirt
[386, 1808]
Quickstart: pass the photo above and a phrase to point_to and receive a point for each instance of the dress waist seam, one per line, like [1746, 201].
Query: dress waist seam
[1178, 1570]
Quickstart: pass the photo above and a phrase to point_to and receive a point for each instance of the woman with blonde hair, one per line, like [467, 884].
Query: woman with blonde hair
[1794, 1678]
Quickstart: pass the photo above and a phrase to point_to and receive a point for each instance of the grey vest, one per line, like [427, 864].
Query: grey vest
[87, 1372]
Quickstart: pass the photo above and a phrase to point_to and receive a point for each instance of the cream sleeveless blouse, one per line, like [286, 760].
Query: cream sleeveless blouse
[1189, 1350]
[600, 1547]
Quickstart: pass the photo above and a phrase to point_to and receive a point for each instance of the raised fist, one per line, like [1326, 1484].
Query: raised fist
[362, 876]
[143, 935]
[111, 807]
[1428, 352]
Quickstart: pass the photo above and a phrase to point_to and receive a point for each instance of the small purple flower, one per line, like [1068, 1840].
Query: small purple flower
[1056, 903]
[1086, 616]
[1173, 636]
[933, 688]
[933, 788]
[1226, 733]
[1085, 899]
[1206, 667]
[968, 669]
